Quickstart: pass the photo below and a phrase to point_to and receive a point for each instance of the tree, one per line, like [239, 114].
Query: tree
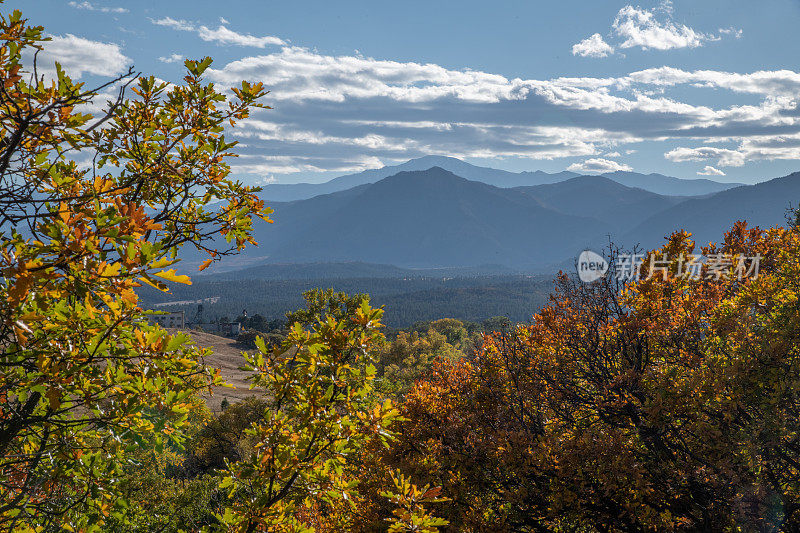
[83, 378]
[320, 412]
[410, 356]
[670, 403]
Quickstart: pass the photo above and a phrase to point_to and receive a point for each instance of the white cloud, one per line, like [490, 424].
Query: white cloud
[88, 6]
[169, 22]
[221, 34]
[636, 27]
[593, 46]
[299, 73]
[725, 157]
[737, 33]
[79, 56]
[350, 106]
[291, 165]
[598, 165]
[751, 148]
[768, 83]
[640, 28]
[708, 170]
[172, 58]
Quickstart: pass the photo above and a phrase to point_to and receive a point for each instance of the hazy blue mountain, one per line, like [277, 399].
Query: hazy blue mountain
[420, 219]
[500, 178]
[669, 186]
[599, 197]
[316, 270]
[657, 183]
[351, 270]
[764, 204]
[434, 219]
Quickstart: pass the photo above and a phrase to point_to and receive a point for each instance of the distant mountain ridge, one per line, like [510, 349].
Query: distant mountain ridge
[349, 270]
[434, 219]
[601, 198]
[657, 183]
[669, 186]
[429, 218]
[764, 204]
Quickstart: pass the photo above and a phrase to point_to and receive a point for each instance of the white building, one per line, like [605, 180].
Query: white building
[172, 319]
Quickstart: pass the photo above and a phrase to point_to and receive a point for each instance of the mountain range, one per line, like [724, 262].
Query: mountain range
[424, 219]
[657, 183]
[434, 219]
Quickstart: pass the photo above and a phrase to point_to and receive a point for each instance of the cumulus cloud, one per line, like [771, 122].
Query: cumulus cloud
[655, 29]
[725, 156]
[593, 46]
[266, 164]
[221, 34]
[640, 28]
[770, 147]
[79, 56]
[397, 110]
[302, 75]
[88, 6]
[310, 75]
[598, 166]
[169, 22]
[708, 170]
[737, 33]
[774, 82]
[345, 112]
[172, 58]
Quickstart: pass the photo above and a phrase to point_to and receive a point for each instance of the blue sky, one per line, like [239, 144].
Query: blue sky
[695, 88]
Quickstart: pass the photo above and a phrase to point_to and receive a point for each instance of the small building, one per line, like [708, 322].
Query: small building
[171, 319]
[225, 329]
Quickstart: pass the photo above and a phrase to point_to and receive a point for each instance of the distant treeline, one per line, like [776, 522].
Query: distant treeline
[406, 301]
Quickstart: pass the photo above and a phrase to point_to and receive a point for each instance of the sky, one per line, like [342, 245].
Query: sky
[693, 89]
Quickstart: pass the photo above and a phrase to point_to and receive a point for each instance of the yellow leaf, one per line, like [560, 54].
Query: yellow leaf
[155, 283]
[164, 262]
[111, 270]
[171, 275]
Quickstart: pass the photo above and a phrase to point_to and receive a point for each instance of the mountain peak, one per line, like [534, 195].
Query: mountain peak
[656, 183]
[435, 159]
[432, 175]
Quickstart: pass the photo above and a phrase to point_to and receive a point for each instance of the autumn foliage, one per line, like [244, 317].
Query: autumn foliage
[659, 405]
[83, 379]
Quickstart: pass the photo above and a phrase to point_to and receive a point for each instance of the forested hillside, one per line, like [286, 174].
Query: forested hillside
[405, 300]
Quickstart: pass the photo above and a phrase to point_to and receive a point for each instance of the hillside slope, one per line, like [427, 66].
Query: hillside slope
[599, 197]
[227, 356]
[432, 218]
[764, 204]
[656, 183]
